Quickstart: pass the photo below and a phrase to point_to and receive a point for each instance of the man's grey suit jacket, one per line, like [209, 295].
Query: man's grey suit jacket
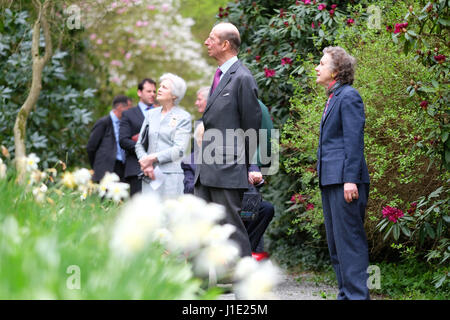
[233, 105]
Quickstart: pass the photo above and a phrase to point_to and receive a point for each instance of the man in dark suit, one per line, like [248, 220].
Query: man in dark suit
[130, 126]
[343, 174]
[105, 154]
[232, 105]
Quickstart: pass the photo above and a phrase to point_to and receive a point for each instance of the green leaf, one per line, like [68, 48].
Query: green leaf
[405, 231]
[412, 33]
[440, 281]
[430, 230]
[396, 232]
[394, 38]
[444, 22]
[446, 219]
[435, 83]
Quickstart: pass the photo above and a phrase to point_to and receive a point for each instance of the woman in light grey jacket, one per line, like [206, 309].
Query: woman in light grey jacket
[169, 130]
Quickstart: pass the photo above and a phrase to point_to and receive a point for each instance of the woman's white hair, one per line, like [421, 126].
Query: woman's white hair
[178, 86]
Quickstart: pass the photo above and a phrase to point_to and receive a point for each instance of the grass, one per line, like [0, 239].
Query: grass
[59, 249]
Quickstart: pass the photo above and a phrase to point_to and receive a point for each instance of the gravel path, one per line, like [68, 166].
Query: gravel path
[291, 289]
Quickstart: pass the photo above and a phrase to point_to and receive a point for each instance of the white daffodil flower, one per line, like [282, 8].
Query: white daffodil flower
[257, 284]
[118, 191]
[32, 162]
[82, 176]
[2, 170]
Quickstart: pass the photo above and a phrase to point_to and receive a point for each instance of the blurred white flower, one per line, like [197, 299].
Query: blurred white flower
[218, 255]
[118, 191]
[107, 179]
[220, 233]
[2, 169]
[136, 224]
[39, 192]
[68, 180]
[84, 195]
[188, 235]
[82, 176]
[256, 280]
[32, 162]
[162, 235]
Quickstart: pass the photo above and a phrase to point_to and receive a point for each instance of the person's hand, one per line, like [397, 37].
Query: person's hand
[254, 177]
[350, 192]
[147, 161]
[135, 137]
[149, 173]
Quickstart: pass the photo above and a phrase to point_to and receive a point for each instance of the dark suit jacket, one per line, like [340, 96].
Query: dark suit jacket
[340, 156]
[189, 167]
[102, 148]
[233, 105]
[130, 124]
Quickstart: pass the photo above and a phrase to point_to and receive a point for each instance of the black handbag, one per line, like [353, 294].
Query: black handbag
[144, 138]
[250, 204]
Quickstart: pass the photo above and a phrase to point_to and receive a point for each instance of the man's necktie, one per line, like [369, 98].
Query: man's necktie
[216, 79]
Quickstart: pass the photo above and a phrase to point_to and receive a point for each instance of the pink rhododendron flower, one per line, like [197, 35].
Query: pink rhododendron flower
[439, 58]
[399, 27]
[298, 198]
[424, 104]
[350, 21]
[269, 72]
[322, 6]
[286, 60]
[393, 214]
[309, 206]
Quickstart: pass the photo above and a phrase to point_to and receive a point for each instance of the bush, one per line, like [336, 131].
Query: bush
[56, 127]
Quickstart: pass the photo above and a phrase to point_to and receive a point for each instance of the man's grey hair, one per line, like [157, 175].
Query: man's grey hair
[204, 91]
[178, 86]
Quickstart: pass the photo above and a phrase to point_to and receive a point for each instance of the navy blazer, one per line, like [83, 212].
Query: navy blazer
[340, 155]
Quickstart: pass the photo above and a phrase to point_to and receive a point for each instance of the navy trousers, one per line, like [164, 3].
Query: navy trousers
[347, 241]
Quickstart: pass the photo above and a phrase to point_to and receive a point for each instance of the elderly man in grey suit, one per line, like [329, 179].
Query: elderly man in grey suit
[169, 130]
[232, 106]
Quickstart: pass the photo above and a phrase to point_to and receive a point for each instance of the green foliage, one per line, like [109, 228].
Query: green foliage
[426, 34]
[276, 36]
[39, 242]
[411, 280]
[57, 125]
[396, 128]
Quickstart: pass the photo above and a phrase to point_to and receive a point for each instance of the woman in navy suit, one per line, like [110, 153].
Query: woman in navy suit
[343, 175]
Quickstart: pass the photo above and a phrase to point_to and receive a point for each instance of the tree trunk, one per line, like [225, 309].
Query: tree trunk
[36, 86]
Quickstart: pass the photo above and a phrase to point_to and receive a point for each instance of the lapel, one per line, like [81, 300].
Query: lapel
[154, 124]
[139, 114]
[113, 133]
[222, 84]
[332, 104]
